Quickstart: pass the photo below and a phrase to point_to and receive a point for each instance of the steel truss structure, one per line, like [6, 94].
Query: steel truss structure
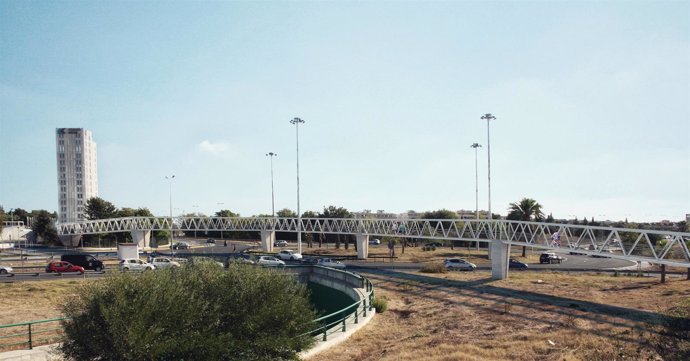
[659, 247]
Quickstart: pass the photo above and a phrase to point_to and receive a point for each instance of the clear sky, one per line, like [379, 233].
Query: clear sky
[592, 101]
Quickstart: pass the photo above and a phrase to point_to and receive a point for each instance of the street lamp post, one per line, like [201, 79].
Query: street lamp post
[195, 206]
[488, 118]
[170, 179]
[296, 121]
[273, 201]
[476, 180]
[222, 224]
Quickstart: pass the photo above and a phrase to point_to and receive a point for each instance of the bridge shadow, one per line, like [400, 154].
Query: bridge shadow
[555, 311]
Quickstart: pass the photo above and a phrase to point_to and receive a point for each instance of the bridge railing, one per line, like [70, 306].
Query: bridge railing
[661, 247]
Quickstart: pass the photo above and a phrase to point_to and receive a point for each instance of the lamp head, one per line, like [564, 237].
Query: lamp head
[296, 121]
[488, 116]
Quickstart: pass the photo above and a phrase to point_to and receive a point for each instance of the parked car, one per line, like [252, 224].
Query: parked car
[374, 241]
[162, 263]
[269, 261]
[133, 264]
[458, 264]
[289, 255]
[5, 270]
[329, 262]
[63, 267]
[181, 245]
[211, 241]
[243, 258]
[85, 260]
[515, 264]
[550, 257]
[280, 244]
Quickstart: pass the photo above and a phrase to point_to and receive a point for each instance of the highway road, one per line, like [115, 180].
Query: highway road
[572, 262]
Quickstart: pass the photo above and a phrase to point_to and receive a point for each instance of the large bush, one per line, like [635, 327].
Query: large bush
[195, 312]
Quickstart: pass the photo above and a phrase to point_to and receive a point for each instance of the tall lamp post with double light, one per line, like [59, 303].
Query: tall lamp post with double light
[170, 179]
[476, 180]
[488, 118]
[296, 121]
[273, 200]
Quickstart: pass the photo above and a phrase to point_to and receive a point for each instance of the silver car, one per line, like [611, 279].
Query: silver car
[133, 264]
[269, 261]
[5, 270]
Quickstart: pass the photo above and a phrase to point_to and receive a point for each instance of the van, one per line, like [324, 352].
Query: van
[85, 260]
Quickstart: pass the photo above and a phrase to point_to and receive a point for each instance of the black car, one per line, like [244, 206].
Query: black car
[211, 240]
[515, 264]
[434, 244]
[549, 257]
[87, 261]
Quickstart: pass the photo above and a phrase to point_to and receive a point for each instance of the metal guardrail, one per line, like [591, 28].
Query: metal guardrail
[325, 328]
[14, 340]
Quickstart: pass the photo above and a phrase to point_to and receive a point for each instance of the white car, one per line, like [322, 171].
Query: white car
[458, 264]
[133, 264]
[269, 261]
[328, 262]
[289, 255]
[374, 242]
[5, 270]
[162, 263]
[281, 244]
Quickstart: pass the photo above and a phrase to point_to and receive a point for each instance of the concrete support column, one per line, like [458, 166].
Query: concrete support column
[362, 246]
[267, 239]
[141, 238]
[499, 252]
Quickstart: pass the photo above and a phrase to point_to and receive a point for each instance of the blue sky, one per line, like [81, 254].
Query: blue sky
[592, 101]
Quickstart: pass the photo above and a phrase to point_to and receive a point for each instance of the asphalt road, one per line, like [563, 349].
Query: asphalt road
[572, 262]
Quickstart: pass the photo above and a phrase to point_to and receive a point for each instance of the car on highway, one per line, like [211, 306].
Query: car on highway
[6, 270]
[269, 261]
[202, 260]
[133, 264]
[87, 261]
[63, 267]
[280, 243]
[211, 241]
[290, 255]
[329, 262]
[181, 245]
[550, 257]
[241, 258]
[458, 264]
[374, 241]
[163, 263]
[515, 264]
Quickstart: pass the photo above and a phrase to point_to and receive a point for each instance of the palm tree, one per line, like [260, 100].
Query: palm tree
[526, 210]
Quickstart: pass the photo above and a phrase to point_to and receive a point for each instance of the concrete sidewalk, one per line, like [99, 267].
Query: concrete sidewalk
[40, 353]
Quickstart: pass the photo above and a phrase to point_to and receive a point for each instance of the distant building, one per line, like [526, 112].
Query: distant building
[465, 214]
[380, 214]
[77, 174]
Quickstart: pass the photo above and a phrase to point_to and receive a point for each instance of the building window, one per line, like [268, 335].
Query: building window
[62, 156]
[78, 182]
[80, 196]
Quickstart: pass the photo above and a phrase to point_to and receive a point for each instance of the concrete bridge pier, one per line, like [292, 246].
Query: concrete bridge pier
[141, 238]
[268, 237]
[362, 246]
[500, 254]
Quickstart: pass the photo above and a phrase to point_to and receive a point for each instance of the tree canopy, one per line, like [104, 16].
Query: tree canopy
[526, 209]
[98, 208]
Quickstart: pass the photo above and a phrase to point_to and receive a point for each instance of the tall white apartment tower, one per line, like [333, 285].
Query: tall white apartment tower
[77, 172]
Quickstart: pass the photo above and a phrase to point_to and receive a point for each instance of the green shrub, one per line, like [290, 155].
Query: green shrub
[196, 312]
[380, 305]
[434, 268]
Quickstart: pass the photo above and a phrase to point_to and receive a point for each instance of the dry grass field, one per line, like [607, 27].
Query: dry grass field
[466, 316]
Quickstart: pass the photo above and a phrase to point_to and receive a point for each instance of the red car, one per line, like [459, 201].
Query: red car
[62, 267]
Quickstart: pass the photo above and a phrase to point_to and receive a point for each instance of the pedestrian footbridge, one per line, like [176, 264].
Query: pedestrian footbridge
[642, 245]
